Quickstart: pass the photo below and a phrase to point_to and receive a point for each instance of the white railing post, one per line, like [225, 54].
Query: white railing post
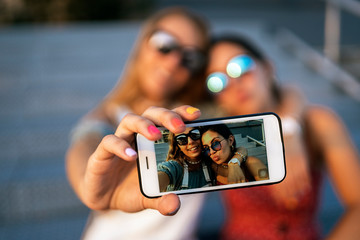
[332, 31]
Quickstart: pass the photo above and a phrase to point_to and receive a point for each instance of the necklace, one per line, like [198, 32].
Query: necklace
[193, 162]
[224, 165]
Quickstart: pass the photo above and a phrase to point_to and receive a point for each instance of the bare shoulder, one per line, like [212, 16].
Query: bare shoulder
[326, 126]
[322, 117]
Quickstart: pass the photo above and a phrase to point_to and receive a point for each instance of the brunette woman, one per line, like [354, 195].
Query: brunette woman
[314, 141]
[220, 145]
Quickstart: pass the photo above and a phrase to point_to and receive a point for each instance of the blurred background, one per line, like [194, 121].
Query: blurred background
[59, 58]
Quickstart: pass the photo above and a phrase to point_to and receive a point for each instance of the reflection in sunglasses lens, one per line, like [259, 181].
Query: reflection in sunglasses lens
[216, 82]
[164, 42]
[192, 59]
[182, 139]
[239, 65]
[216, 146]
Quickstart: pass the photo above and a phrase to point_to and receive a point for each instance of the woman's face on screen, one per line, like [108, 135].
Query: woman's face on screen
[216, 146]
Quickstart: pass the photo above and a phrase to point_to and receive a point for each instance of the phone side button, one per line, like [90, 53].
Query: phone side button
[147, 163]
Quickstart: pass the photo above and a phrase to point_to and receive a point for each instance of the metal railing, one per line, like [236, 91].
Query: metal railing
[326, 64]
[333, 25]
[257, 141]
[319, 63]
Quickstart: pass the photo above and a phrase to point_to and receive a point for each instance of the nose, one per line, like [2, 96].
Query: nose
[235, 79]
[212, 151]
[172, 60]
[190, 140]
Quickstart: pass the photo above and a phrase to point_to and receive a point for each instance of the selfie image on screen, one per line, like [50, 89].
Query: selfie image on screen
[212, 155]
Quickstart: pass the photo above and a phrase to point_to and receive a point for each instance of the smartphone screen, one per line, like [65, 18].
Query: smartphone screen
[213, 154]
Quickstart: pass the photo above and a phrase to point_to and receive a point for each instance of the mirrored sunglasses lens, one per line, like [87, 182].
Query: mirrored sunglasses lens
[216, 82]
[216, 146]
[194, 134]
[239, 65]
[163, 41]
[181, 139]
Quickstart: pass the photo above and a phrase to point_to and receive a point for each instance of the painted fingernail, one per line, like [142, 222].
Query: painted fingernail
[130, 152]
[192, 110]
[173, 212]
[153, 130]
[177, 122]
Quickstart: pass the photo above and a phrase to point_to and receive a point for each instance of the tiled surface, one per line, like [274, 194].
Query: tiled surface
[49, 77]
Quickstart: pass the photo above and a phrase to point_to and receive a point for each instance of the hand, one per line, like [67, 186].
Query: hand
[111, 179]
[235, 174]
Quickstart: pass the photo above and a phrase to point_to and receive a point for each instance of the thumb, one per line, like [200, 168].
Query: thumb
[167, 205]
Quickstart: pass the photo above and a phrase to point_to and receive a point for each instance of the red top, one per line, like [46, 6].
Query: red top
[252, 214]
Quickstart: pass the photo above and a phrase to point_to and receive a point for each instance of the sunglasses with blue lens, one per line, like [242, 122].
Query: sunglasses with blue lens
[215, 146]
[237, 66]
[192, 58]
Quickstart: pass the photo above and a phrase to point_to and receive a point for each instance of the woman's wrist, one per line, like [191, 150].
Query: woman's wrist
[235, 161]
[242, 157]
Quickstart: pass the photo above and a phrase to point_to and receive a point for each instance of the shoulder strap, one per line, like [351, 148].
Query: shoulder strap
[185, 181]
[206, 172]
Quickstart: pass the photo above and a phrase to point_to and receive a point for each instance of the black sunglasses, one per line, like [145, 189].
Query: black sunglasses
[192, 59]
[215, 145]
[182, 139]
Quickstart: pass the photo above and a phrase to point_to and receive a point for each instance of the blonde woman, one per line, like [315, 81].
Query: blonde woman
[166, 67]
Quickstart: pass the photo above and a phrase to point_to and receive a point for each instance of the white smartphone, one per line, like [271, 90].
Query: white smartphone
[198, 160]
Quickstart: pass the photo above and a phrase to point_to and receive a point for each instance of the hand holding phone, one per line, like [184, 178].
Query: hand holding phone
[207, 156]
[111, 178]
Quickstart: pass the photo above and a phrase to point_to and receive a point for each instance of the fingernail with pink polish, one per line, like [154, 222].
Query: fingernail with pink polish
[153, 130]
[130, 152]
[177, 122]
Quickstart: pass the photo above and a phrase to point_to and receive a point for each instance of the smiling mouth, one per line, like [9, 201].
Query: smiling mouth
[193, 149]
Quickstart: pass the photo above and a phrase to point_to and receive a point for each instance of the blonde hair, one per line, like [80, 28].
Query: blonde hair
[174, 152]
[127, 92]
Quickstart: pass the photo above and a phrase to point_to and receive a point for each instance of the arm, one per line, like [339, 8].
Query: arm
[257, 168]
[164, 180]
[342, 161]
[77, 158]
[169, 172]
[86, 138]
[235, 173]
[241, 154]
